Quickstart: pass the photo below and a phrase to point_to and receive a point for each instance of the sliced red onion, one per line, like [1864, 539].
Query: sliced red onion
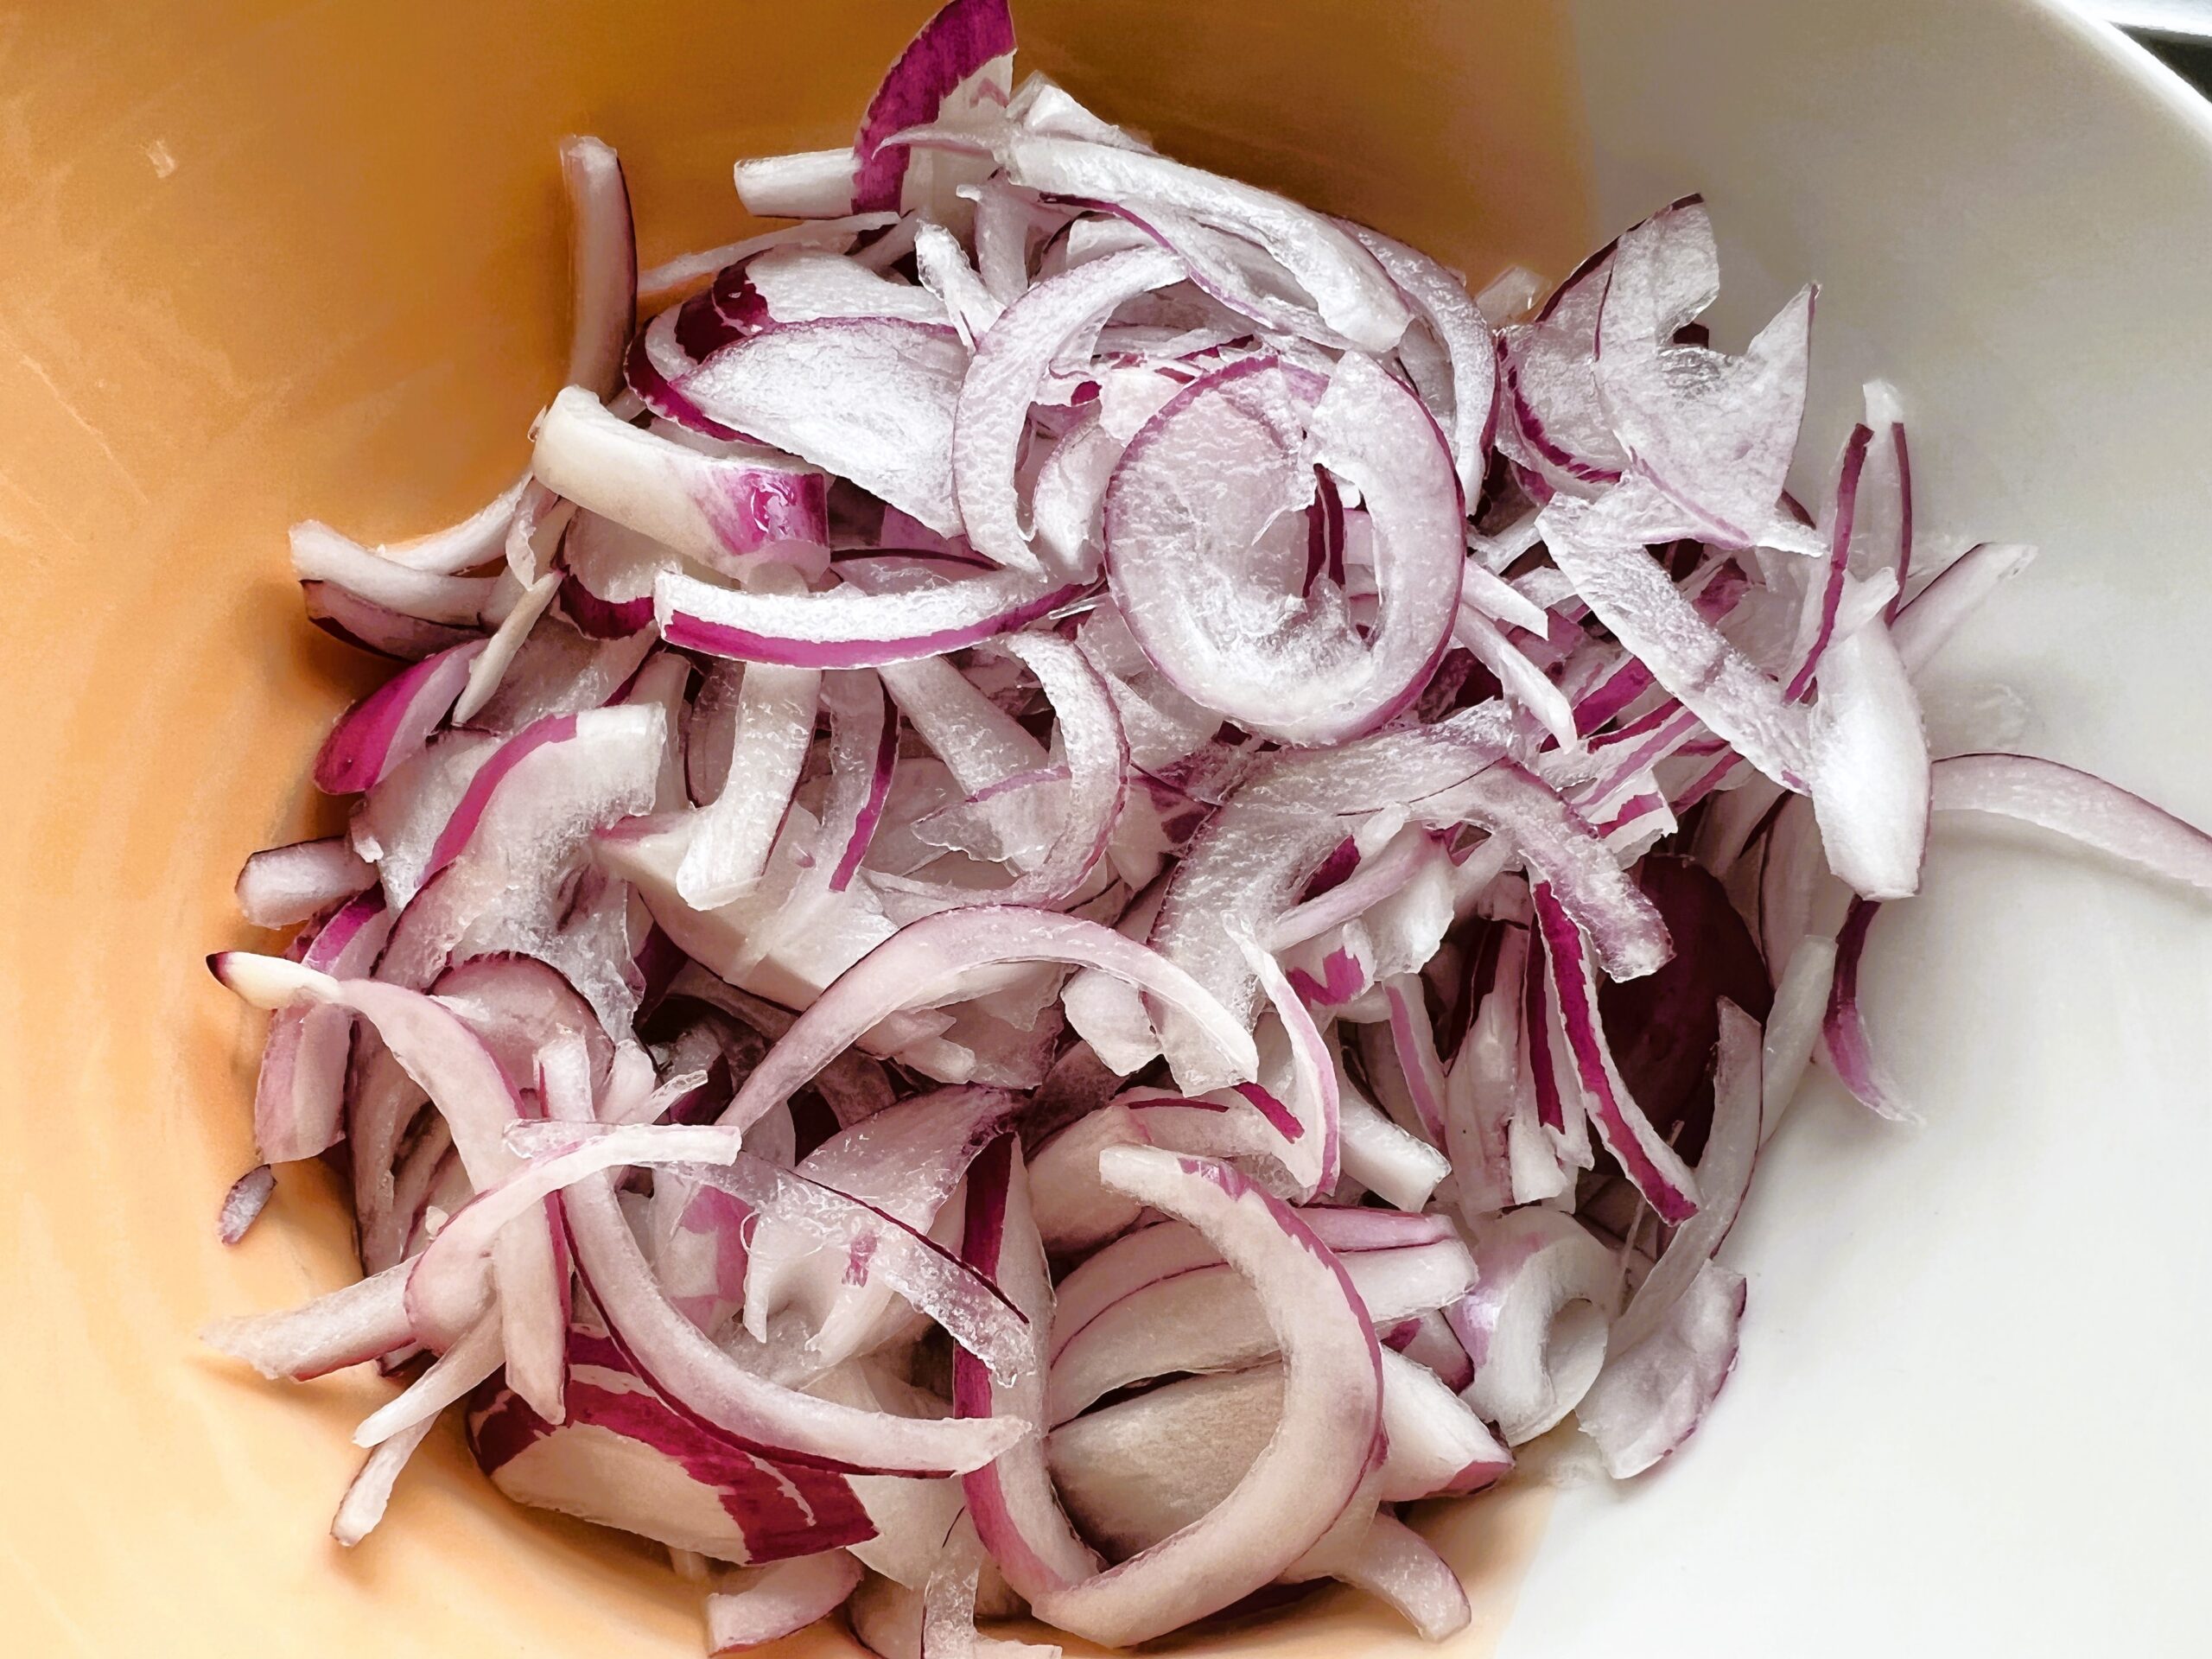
[1924, 622]
[1354, 295]
[717, 509]
[1601, 550]
[1651, 1399]
[369, 1493]
[1843, 1033]
[281, 886]
[1649, 1161]
[1870, 776]
[800, 285]
[811, 184]
[247, 1197]
[1010, 365]
[754, 944]
[733, 838]
[347, 1327]
[924, 962]
[474, 541]
[705, 1384]
[489, 667]
[869, 399]
[626, 1458]
[1724, 1175]
[1204, 1318]
[1484, 1090]
[1524, 681]
[603, 262]
[1714, 434]
[1558, 846]
[673, 279]
[392, 722]
[1332, 1412]
[1017, 1515]
[460, 1074]
[769, 1603]
[969, 1309]
[321, 555]
[1096, 757]
[1315, 679]
[1139, 1470]
[848, 627]
[375, 628]
[904, 1161]
[1535, 1325]
[958, 71]
[1441, 300]
[1430, 1342]
[943, 267]
[1400, 1169]
[465, 1365]
[298, 1096]
[1794, 1029]
[2080, 807]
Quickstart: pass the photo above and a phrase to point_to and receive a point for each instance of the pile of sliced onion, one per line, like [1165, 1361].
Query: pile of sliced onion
[1092, 881]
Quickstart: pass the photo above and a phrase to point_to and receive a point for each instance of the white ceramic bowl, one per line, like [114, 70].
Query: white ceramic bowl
[265, 261]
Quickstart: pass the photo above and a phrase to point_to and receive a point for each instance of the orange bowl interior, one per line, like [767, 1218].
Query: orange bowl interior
[267, 260]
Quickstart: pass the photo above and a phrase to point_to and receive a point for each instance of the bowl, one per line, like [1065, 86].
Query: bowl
[267, 260]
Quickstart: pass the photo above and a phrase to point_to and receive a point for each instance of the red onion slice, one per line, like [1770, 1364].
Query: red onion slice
[848, 627]
[1011, 363]
[603, 262]
[1652, 1399]
[347, 1327]
[1308, 677]
[869, 399]
[1535, 1325]
[1096, 757]
[1871, 775]
[369, 1493]
[904, 1161]
[321, 555]
[924, 962]
[1724, 1175]
[281, 886]
[375, 628]
[1017, 1515]
[1332, 1413]
[733, 838]
[242, 1205]
[769, 1603]
[811, 184]
[474, 541]
[1926, 621]
[454, 1068]
[959, 70]
[1601, 550]
[1204, 1318]
[627, 1459]
[1714, 434]
[392, 722]
[1353, 294]
[2080, 807]
[1649, 1161]
[706, 1385]
[803, 284]
[720, 510]
[1442, 303]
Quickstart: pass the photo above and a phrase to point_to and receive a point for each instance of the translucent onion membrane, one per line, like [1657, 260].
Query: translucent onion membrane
[1093, 879]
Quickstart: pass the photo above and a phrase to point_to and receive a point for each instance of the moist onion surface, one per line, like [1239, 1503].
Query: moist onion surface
[1096, 877]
